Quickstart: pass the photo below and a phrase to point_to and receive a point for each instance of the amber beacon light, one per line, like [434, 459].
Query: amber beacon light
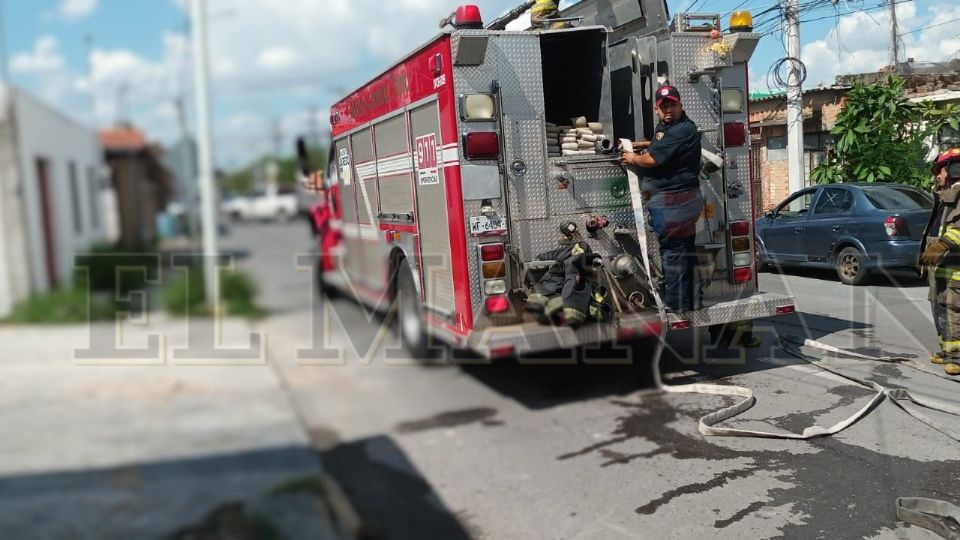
[741, 21]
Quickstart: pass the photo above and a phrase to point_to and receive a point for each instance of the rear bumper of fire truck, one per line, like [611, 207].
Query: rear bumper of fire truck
[520, 339]
[756, 306]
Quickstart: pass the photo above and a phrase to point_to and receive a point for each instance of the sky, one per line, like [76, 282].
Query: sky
[278, 66]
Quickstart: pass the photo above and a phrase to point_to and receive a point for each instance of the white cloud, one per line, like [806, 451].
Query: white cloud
[45, 57]
[860, 42]
[77, 9]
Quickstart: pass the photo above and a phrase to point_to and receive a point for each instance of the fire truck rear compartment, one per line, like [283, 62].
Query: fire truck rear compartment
[573, 75]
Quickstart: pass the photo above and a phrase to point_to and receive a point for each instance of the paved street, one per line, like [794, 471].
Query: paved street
[525, 451]
[472, 450]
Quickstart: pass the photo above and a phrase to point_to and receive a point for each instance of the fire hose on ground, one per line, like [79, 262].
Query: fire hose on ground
[941, 517]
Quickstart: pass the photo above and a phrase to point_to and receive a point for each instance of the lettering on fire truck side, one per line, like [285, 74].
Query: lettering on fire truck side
[428, 173]
[345, 172]
[439, 82]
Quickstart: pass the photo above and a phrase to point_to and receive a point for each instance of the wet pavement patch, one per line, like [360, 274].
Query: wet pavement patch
[844, 491]
[451, 419]
[724, 523]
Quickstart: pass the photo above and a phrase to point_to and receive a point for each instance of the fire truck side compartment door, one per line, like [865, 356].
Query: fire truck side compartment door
[436, 267]
[633, 74]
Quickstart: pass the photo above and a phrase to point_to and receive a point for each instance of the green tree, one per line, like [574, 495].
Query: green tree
[881, 136]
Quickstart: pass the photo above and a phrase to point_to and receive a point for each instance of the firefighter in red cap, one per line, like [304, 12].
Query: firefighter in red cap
[941, 256]
[671, 185]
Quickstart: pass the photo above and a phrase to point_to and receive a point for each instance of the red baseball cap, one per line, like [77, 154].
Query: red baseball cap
[667, 92]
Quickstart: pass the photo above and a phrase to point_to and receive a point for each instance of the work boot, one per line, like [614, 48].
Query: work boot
[952, 368]
[938, 358]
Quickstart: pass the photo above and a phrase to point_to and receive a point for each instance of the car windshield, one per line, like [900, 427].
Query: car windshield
[897, 198]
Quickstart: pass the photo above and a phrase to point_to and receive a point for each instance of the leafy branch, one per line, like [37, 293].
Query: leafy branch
[882, 136]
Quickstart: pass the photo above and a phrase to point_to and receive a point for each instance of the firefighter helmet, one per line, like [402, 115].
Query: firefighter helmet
[950, 157]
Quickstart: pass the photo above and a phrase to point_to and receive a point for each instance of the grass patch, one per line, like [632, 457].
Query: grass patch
[65, 306]
[186, 295]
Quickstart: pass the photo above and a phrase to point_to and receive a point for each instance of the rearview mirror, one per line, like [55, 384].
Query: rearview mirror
[770, 215]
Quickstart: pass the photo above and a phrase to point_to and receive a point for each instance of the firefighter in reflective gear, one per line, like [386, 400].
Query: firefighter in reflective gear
[544, 10]
[942, 257]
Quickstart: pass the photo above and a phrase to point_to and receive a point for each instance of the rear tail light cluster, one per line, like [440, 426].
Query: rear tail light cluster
[895, 226]
[481, 145]
[493, 268]
[742, 254]
[734, 134]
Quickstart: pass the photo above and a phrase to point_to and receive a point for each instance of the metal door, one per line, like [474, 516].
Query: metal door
[436, 269]
[827, 222]
[783, 236]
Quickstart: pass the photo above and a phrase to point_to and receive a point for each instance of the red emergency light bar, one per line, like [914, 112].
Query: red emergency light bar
[468, 16]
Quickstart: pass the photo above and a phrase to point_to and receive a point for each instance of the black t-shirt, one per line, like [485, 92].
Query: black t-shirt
[676, 149]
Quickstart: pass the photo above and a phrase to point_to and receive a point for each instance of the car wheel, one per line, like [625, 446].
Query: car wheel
[410, 323]
[851, 266]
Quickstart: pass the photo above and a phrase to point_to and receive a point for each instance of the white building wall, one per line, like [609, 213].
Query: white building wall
[44, 132]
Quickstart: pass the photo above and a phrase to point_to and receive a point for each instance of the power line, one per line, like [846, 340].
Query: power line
[929, 27]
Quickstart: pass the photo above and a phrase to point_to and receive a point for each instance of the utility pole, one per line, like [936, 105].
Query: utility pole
[91, 82]
[894, 38]
[791, 24]
[205, 150]
[277, 137]
[187, 168]
[314, 128]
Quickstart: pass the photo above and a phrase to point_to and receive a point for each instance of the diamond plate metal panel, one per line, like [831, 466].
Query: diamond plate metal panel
[745, 308]
[594, 187]
[513, 60]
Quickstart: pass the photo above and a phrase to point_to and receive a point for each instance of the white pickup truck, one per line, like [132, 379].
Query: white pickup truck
[270, 204]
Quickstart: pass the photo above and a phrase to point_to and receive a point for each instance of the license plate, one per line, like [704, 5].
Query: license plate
[484, 225]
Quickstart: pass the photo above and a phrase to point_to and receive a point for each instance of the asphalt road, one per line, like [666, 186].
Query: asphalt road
[587, 451]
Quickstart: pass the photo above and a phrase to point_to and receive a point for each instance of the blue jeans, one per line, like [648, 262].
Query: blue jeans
[674, 217]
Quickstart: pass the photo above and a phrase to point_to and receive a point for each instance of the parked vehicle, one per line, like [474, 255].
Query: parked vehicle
[272, 203]
[453, 202]
[853, 228]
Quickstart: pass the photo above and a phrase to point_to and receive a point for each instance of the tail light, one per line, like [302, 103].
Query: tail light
[740, 228]
[680, 325]
[742, 275]
[786, 310]
[734, 134]
[895, 226]
[497, 304]
[481, 145]
[491, 252]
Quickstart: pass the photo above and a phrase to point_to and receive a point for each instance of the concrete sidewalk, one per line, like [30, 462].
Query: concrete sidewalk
[147, 451]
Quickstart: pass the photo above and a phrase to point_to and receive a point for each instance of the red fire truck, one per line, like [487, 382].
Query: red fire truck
[450, 186]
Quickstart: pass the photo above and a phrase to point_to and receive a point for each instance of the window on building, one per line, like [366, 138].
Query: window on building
[777, 148]
[75, 198]
[93, 191]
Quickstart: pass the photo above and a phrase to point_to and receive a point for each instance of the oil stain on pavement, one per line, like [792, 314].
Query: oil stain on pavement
[846, 491]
